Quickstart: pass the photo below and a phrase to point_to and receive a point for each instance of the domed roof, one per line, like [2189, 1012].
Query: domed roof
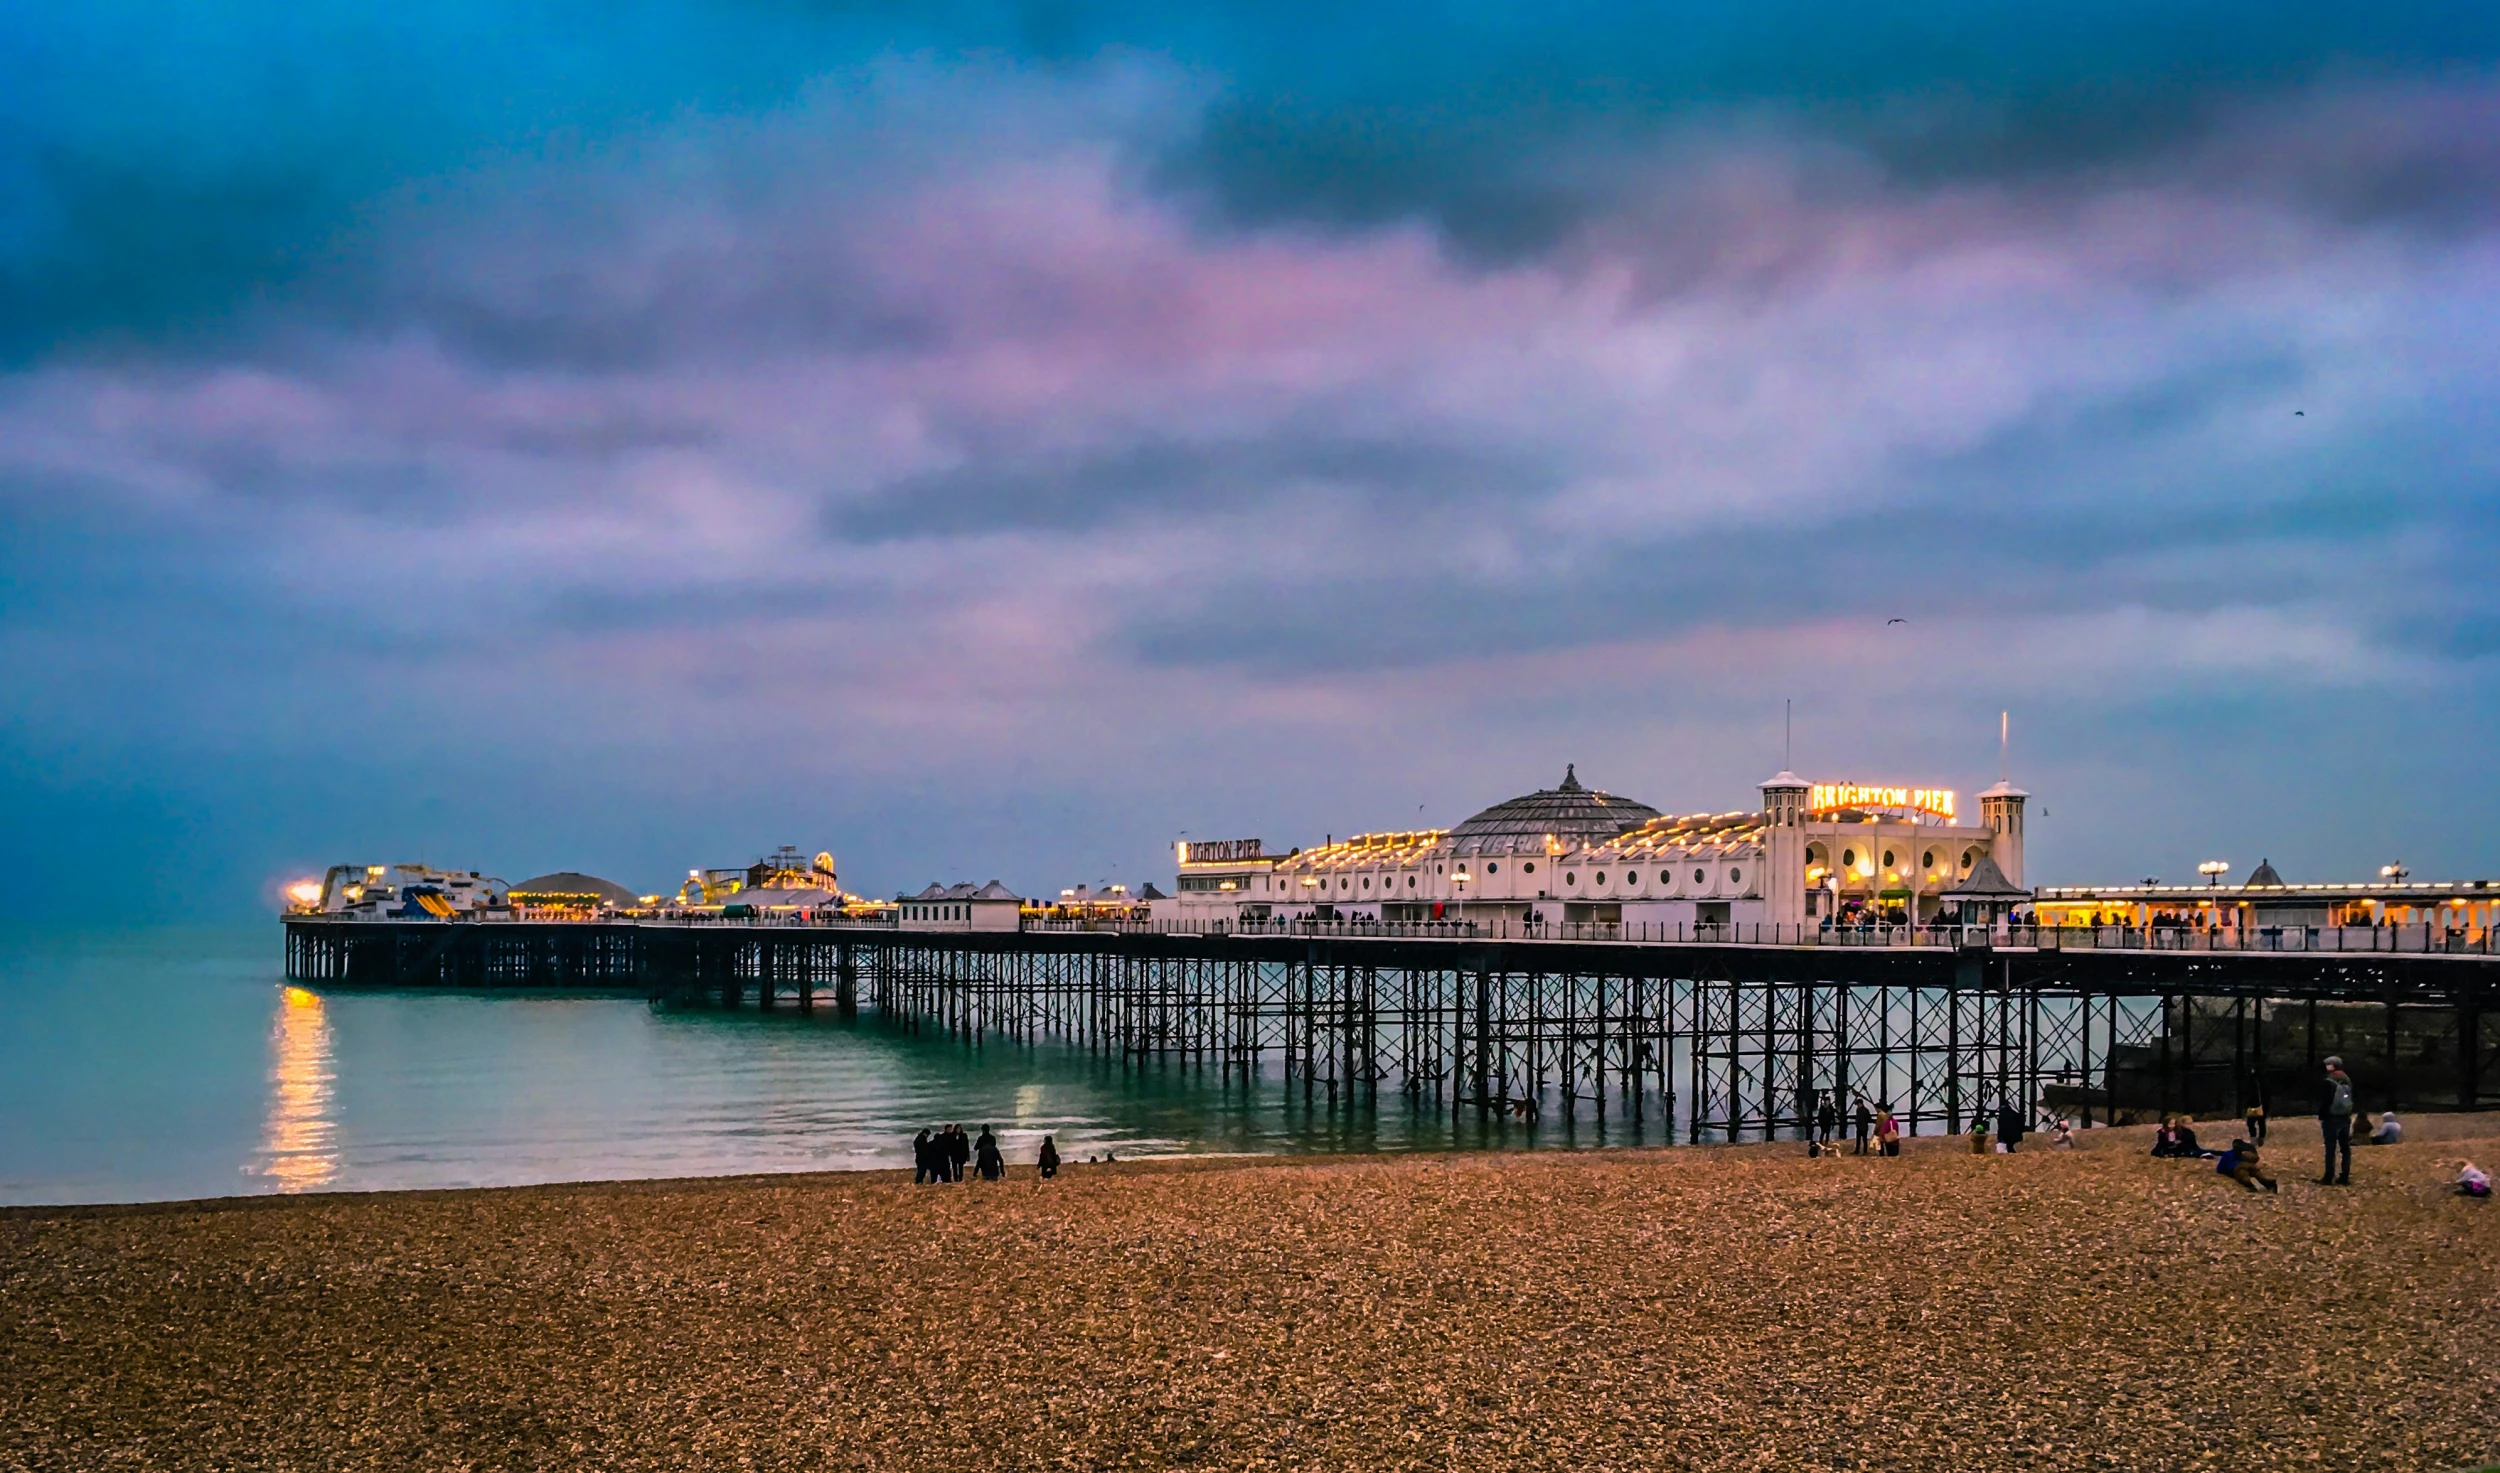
[572, 887]
[1571, 815]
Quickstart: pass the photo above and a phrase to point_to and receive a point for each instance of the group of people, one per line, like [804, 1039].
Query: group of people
[1879, 1130]
[941, 1156]
[2338, 1113]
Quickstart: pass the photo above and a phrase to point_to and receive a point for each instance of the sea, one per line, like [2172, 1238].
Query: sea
[174, 1063]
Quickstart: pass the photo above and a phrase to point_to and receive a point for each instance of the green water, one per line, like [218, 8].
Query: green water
[167, 1064]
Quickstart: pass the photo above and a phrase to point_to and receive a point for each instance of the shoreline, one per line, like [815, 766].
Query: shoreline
[2419, 1129]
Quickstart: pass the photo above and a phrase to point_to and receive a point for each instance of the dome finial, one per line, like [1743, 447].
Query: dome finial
[1571, 778]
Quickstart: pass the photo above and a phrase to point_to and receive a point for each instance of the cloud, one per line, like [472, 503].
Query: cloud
[928, 440]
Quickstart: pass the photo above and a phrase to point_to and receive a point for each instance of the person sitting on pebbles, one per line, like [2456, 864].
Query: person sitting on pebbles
[2241, 1164]
[2389, 1131]
[2473, 1181]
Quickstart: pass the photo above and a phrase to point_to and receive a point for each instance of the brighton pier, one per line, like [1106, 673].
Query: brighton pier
[1717, 976]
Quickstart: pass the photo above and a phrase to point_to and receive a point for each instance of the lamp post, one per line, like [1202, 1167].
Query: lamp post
[2213, 870]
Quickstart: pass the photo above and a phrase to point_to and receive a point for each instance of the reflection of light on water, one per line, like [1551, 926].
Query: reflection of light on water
[1028, 1103]
[295, 1148]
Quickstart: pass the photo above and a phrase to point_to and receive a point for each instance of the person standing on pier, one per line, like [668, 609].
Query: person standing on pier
[985, 1157]
[1865, 1123]
[1049, 1158]
[2335, 1105]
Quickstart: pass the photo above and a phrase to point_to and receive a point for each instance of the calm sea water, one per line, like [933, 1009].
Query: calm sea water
[168, 1064]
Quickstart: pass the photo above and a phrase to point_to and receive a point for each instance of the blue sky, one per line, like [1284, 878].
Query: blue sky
[993, 440]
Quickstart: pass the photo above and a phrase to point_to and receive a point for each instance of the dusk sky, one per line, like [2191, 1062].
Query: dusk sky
[995, 440]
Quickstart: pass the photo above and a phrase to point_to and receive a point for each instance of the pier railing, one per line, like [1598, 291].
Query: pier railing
[2420, 939]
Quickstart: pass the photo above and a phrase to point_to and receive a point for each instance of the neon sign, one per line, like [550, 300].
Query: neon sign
[1924, 802]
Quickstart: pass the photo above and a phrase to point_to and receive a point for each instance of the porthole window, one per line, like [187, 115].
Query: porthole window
[1529, 868]
[1887, 859]
[1701, 877]
[1631, 877]
[1569, 878]
[1601, 877]
[1848, 859]
[1664, 878]
[1927, 860]
[1367, 882]
[1492, 869]
[1736, 877]
[1410, 882]
[1969, 858]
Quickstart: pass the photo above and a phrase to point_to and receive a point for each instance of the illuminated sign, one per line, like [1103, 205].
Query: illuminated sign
[1218, 851]
[1924, 802]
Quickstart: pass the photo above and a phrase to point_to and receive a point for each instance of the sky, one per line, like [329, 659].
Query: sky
[994, 440]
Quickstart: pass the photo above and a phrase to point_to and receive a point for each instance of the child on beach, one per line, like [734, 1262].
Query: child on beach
[2473, 1181]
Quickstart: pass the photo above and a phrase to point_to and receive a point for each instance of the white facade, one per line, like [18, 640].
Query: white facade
[990, 907]
[1573, 854]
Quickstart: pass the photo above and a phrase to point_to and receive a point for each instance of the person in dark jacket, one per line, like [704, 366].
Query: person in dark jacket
[985, 1157]
[923, 1160]
[1050, 1158]
[2010, 1125]
[1865, 1124]
[2335, 1108]
[958, 1152]
[1826, 1119]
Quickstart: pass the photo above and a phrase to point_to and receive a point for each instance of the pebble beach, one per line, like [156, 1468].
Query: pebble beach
[1707, 1308]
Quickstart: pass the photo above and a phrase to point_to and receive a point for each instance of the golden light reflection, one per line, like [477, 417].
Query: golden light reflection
[296, 1147]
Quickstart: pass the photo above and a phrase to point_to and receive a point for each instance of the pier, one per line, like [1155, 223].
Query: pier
[1731, 1039]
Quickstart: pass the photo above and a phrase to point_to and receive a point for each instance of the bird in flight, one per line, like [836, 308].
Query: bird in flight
[2300, 414]
[1888, 623]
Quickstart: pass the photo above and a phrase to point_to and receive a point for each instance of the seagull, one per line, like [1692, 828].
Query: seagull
[2300, 414]
[1888, 623]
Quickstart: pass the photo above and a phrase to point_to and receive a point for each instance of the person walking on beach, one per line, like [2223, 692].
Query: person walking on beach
[2335, 1124]
[1826, 1119]
[1865, 1123]
[1049, 1158]
[985, 1157]
[923, 1160]
[2009, 1127]
[1887, 1130]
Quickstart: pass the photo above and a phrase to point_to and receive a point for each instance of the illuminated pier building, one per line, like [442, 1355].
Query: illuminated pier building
[1571, 853]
